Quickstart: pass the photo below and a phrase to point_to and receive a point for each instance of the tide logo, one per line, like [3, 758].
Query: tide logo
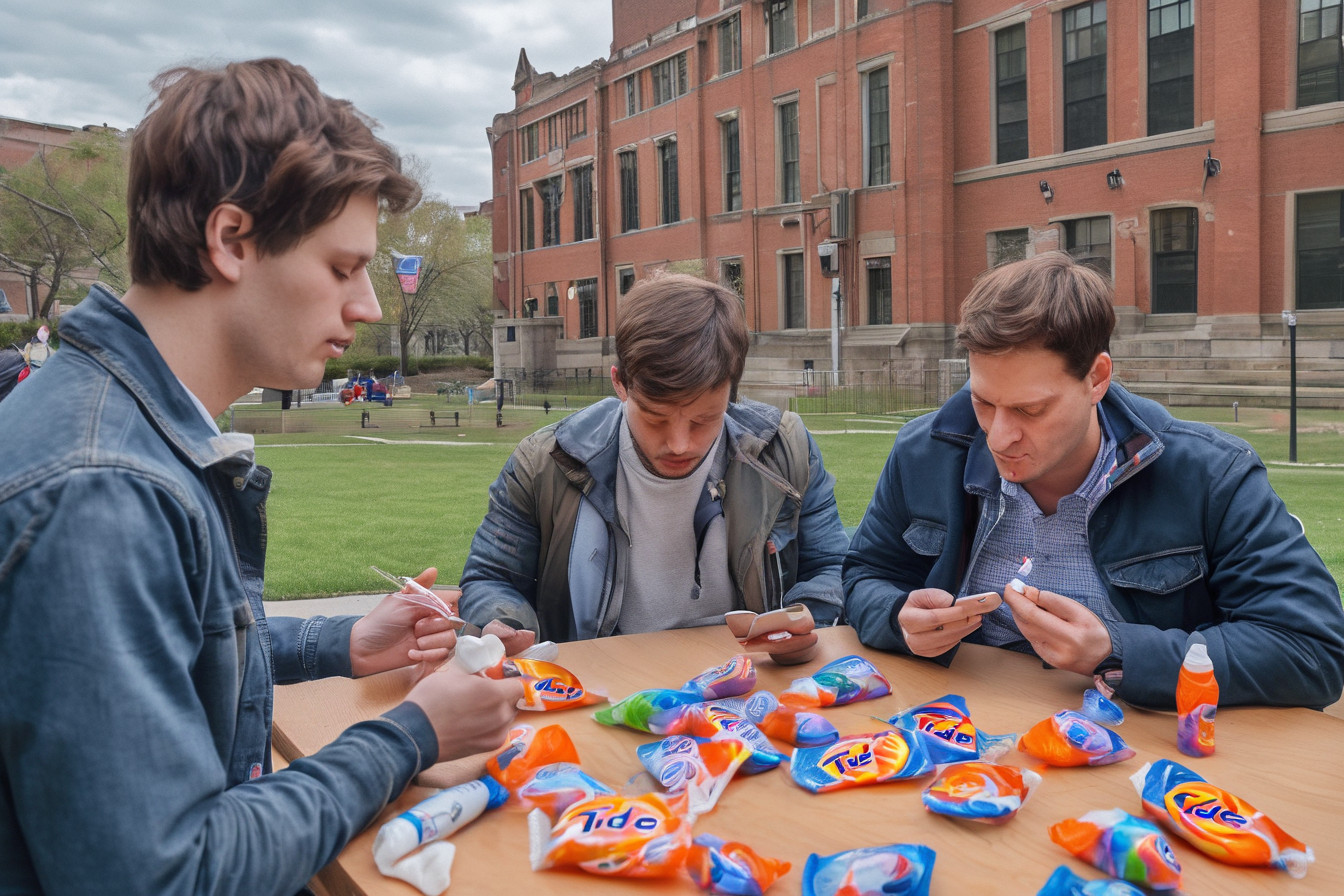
[952, 728]
[552, 690]
[848, 759]
[606, 817]
[1206, 806]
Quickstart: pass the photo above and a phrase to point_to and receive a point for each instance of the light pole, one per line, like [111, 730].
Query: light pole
[1291, 320]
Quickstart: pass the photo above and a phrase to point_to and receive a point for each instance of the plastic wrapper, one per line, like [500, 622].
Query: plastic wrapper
[720, 721]
[549, 687]
[655, 710]
[860, 760]
[980, 791]
[723, 866]
[844, 680]
[1216, 822]
[1122, 846]
[701, 768]
[1069, 738]
[1100, 709]
[900, 869]
[641, 836]
[949, 736]
[731, 679]
[425, 825]
[554, 788]
[793, 724]
[1065, 883]
[528, 750]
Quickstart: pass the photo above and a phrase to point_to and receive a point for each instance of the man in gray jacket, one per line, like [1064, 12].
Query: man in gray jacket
[667, 506]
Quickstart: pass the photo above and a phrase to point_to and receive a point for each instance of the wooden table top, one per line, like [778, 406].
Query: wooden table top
[1286, 762]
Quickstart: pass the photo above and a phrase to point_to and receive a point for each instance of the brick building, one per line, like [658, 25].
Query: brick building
[897, 148]
[19, 141]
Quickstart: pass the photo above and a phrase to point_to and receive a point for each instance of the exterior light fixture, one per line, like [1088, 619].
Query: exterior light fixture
[1114, 180]
[1048, 193]
[1212, 167]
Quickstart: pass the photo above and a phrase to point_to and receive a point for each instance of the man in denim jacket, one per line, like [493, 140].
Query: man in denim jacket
[669, 505]
[136, 657]
[1141, 528]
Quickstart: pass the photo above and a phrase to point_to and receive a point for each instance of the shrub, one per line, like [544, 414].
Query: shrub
[385, 365]
[20, 331]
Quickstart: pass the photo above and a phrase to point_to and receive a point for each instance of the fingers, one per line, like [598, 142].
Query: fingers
[515, 640]
[932, 624]
[791, 650]
[427, 577]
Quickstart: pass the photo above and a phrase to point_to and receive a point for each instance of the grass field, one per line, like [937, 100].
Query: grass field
[410, 499]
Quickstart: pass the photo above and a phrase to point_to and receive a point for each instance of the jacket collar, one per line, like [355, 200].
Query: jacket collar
[105, 329]
[1137, 442]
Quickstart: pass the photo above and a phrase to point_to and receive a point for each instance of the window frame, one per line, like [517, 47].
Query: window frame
[729, 32]
[1006, 127]
[1327, 253]
[629, 178]
[781, 26]
[1172, 294]
[527, 220]
[788, 145]
[730, 141]
[793, 290]
[1085, 114]
[1072, 246]
[581, 179]
[876, 155]
[879, 310]
[669, 187]
[586, 292]
[1171, 97]
[1314, 20]
[552, 191]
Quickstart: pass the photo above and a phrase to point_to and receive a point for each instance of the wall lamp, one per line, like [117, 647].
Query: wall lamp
[1114, 180]
[1048, 193]
[1212, 166]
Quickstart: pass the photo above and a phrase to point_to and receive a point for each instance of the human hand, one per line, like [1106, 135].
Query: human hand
[515, 640]
[1063, 632]
[933, 621]
[470, 713]
[399, 633]
[785, 634]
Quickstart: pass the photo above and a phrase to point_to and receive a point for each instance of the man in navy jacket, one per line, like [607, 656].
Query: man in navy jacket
[1141, 528]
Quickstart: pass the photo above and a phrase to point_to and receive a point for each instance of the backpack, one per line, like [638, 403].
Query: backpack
[13, 369]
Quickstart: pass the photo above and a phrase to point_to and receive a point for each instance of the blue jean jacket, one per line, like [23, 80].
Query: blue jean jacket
[137, 659]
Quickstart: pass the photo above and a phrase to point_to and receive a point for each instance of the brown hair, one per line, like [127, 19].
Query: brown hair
[1050, 301]
[257, 134]
[678, 335]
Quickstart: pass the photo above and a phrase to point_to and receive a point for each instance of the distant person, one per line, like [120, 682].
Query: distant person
[668, 505]
[136, 656]
[1141, 527]
[546, 405]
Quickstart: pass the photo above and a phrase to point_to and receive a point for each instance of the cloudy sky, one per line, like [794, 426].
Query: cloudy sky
[434, 73]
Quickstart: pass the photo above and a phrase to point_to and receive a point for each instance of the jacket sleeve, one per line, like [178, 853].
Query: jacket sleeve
[312, 648]
[821, 544]
[893, 553]
[1276, 635]
[499, 580]
[113, 733]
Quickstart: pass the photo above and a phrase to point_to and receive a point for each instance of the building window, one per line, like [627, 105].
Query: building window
[1007, 245]
[566, 125]
[669, 79]
[1175, 260]
[625, 280]
[1085, 75]
[587, 294]
[552, 191]
[632, 104]
[1089, 241]
[876, 119]
[527, 222]
[730, 274]
[861, 9]
[730, 44]
[795, 310]
[1320, 250]
[629, 191]
[782, 34]
[510, 334]
[552, 301]
[879, 290]
[669, 206]
[790, 187]
[732, 165]
[1320, 57]
[530, 141]
[1171, 65]
[1010, 93]
[582, 179]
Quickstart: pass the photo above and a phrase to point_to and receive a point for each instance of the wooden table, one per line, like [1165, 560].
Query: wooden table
[1286, 762]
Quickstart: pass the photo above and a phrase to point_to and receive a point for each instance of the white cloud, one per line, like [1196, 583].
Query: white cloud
[434, 73]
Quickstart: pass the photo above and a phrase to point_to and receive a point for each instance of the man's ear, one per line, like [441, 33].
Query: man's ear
[616, 383]
[1100, 376]
[223, 248]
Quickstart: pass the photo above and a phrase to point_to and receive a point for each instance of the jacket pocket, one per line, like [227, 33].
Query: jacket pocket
[1160, 573]
[925, 538]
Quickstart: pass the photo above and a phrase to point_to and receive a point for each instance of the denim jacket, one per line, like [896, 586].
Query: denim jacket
[136, 657]
[1189, 537]
[552, 541]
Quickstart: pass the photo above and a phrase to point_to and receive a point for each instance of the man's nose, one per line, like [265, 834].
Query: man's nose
[679, 438]
[364, 306]
[1001, 432]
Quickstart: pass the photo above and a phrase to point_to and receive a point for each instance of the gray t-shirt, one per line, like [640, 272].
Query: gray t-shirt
[658, 513]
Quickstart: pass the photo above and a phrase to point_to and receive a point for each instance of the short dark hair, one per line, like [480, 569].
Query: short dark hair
[678, 335]
[257, 134]
[1050, 301]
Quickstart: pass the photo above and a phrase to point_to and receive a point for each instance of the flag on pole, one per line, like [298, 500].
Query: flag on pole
[408, 271]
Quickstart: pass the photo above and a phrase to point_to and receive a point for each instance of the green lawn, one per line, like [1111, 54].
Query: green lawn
[404, 500]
